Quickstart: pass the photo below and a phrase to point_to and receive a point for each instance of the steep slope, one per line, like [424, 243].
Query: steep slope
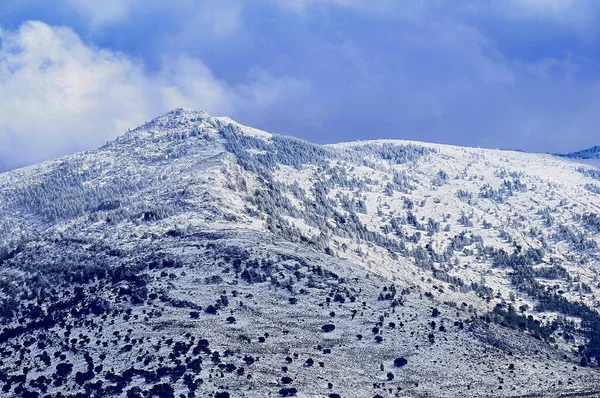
[195, 256]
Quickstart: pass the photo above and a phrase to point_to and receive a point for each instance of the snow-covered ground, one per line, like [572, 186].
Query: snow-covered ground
[479, 234]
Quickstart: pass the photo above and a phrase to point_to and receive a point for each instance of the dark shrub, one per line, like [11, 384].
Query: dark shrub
[211, 309]
[288, 392]
[63, 369]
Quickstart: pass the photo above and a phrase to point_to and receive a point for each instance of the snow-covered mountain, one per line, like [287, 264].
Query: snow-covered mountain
[195, 256]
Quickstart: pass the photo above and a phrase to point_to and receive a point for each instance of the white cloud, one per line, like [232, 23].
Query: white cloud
[56, 93]
[303, 7]
[577, 15]
[59, 95]
[545, 7]
[222, 17]
[104, 11]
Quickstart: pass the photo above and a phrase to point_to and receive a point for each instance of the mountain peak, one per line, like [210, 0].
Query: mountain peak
[174, 122]
[180, 113]
[185, 121]
[177, 117]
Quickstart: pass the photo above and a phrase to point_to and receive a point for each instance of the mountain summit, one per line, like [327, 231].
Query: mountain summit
[194, 256]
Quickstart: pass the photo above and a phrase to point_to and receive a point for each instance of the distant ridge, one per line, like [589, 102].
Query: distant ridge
[590, 153]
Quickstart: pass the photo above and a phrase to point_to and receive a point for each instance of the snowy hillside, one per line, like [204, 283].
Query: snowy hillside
[195, 256]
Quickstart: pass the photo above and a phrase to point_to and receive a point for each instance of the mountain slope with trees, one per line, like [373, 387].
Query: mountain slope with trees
[195, 256]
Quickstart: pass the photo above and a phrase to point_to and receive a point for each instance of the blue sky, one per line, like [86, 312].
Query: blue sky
[519, 74]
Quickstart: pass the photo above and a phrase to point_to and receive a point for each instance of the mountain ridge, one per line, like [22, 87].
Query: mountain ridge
[589, 153]
[182, 117]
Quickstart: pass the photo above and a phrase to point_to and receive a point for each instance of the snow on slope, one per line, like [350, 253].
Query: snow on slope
[490, 237]
[508, 199]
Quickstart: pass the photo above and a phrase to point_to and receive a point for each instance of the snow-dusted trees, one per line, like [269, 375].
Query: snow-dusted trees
[592, 221]
[589, 172]
[440, 178]
[506, 190]
[579, 240]
[394, 153]
[66, 191]
[593, 188]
